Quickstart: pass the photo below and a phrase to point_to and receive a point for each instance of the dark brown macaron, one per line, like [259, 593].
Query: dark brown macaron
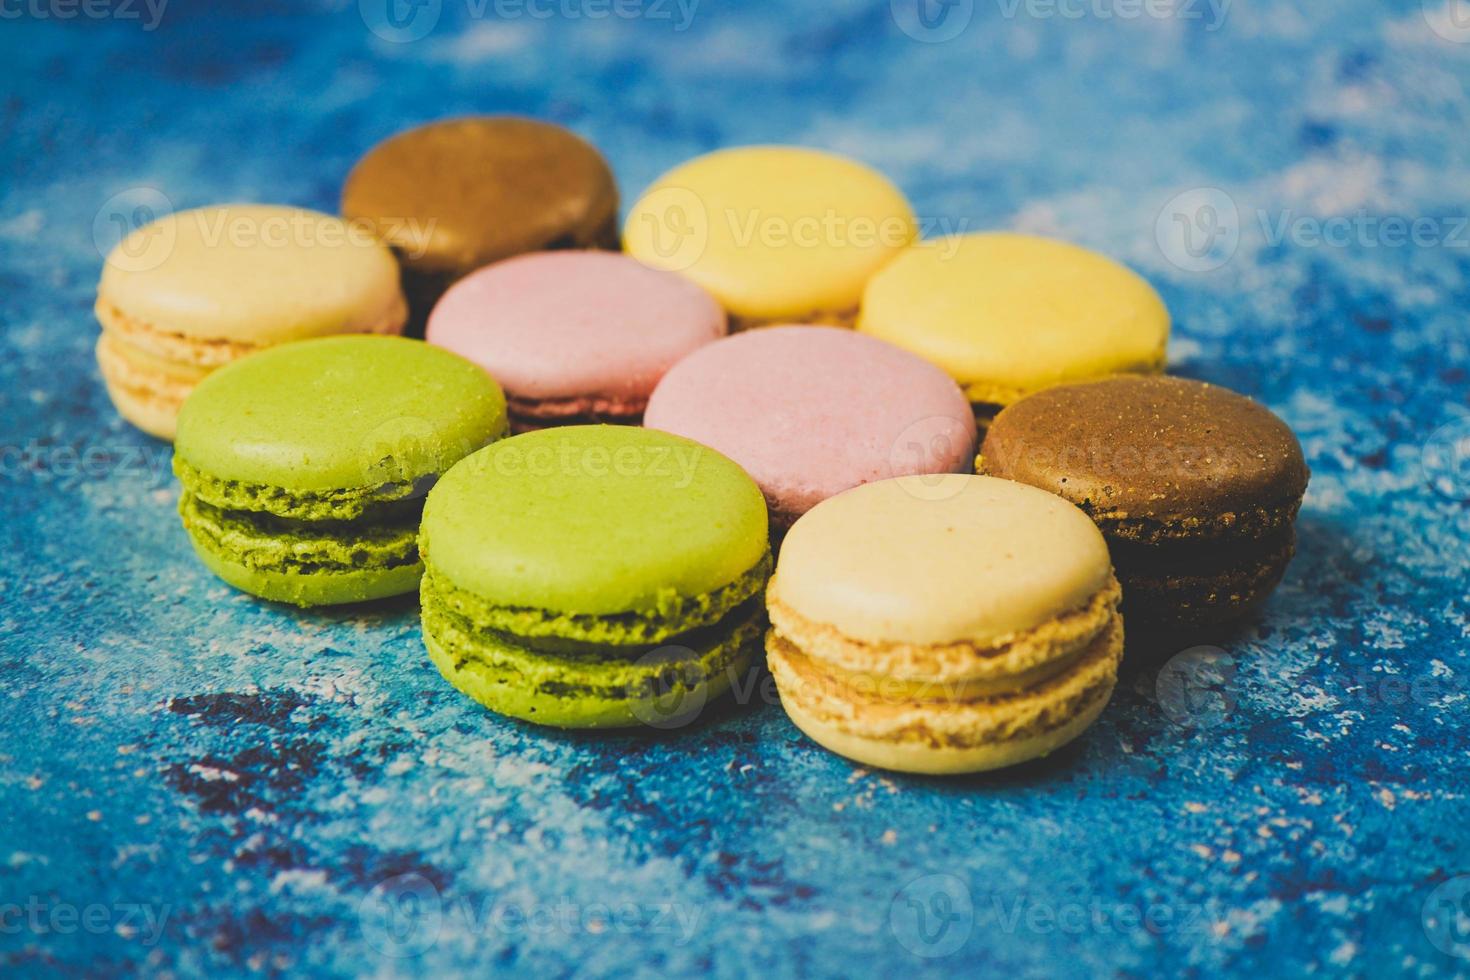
[452, 196]
[1195, 487]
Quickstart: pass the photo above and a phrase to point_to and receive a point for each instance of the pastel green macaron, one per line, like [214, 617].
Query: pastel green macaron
[305, 466]
[594, 576]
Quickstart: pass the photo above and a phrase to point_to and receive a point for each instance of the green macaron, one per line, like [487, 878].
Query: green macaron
[305, 466]
[594, 576]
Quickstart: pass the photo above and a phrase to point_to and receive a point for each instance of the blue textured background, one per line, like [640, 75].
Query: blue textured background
[252, 776]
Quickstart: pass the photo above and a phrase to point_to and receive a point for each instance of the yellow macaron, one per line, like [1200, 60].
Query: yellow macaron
[775, 233]
[197, 289]
[1007, 314]
[944, 624]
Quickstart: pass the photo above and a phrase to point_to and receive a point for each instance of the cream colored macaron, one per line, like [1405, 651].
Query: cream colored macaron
[1007, 315]
[944, 624]
[778, 234]
[197, 289]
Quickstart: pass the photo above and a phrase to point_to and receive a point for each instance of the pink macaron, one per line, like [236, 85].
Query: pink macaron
[575, 336]
[812, 411]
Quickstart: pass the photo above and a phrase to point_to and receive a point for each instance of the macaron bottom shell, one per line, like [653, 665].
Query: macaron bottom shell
[303, 562]
[938, 760]
[600, 687]
[945, 735]
[148, 402]
[312, 588]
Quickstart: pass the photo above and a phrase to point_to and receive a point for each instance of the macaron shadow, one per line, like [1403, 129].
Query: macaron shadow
[390, 608]
[1059, 766]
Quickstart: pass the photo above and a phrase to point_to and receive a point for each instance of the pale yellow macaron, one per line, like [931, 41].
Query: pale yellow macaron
[775, 233]
[197, 289]
[944, 624]
[1007, 315]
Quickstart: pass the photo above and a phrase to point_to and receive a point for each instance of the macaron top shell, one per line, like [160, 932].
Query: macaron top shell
[339, 412]
[1156, 448]
[774, 232]
[1008, 314]
[256, 274]
[569, 324]
[461, 193]
[947, 560]
[594, 520]
[812, 411]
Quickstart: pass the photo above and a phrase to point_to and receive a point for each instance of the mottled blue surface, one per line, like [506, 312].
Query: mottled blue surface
[193, 782]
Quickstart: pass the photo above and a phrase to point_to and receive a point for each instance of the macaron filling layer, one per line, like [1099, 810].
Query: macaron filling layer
[822, 318]
[952, 671]
[263, 542]
[532, 413]
[668, 615]
[341, 504]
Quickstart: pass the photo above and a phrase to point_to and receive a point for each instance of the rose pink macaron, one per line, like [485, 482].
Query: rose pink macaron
[812, 411]
[575, 337]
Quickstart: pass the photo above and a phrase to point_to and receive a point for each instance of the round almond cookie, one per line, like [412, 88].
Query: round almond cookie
[453, 195]
[1195, 487]
[594, 576]
[575, 336]
[812, 411]
[944, 626]
[779, 234]
[304, 467]
[197, 289]
[1008, 314]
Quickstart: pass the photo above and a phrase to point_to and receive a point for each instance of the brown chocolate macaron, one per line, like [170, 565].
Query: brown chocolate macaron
[1195, 487]
[455, 195]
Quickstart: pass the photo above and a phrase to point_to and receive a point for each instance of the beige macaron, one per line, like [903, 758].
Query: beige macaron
[198, 289]
[944, 624]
